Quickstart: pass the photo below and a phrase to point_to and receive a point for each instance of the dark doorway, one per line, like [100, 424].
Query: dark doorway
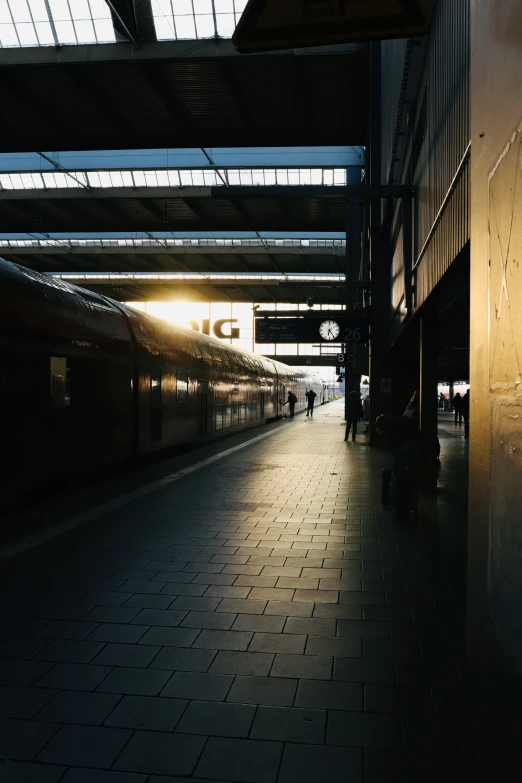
[203, 407]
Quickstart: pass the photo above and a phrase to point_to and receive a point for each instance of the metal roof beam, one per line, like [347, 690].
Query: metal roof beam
[231, 192]
[170, 250]
[168, 95]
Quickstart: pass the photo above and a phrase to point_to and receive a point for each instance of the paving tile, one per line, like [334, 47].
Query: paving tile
[70, 651]
[399, 700]
[278, 643]
[139, 682]
[180, 577]
[85, 746]
[77, 707]
[126, 655]
[388, 613]
[16, 672]
[66, 629]
[364, 670]
[401, 767]
[425, 735]
[183, 659]
[271, 594]
[363, 629]
[314, 764]
[22, 648]
[336, 611]
[170, 637]
[361, 730]
[196, 603]
[287, 724]
[65, 611]
[297, 582]
[242, 606]
[74, 676]
[223, 591]
[101, 776]
[263, 690]
[109, 632]
[240, 760]
[289, 608]
[167, 617]
[23, 772]
[302, 666]
[313, 626]
[209, 620]
[177, 588]
[104, 598]
[246, 663]
[153, 713]
[361, 598]
[22, 702]
[217, 719]
[223, 640]
[397, 649]
[339, 647]
[195, 685]
[262, 623]
[160, 753]
[317, 596]
[20, 740]
[317, 694]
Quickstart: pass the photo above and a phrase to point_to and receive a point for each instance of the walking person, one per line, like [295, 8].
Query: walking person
[291, 401]
[354, 412]
[457, 407]
[310, 396]
[464, 406]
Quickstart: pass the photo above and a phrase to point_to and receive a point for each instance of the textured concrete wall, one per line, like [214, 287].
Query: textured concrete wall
[495, 499]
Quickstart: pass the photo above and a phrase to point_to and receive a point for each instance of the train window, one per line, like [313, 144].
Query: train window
[181, 386]
[60, 373]
[207, 355]
[197, 349]
[227, 416]
[219, 417]
[155, 386]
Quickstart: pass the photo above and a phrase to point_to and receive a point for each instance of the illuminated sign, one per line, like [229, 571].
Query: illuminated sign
[233, 333]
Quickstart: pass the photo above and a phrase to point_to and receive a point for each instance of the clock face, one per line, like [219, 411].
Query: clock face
[329, 330]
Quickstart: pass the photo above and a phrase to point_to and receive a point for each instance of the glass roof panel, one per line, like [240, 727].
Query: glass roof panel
[188, 19]
[54, 22]
[63, 178]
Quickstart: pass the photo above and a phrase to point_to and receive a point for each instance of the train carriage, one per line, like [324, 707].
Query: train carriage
[89, 383]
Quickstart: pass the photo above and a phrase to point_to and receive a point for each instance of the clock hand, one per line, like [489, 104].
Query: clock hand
[330, 332]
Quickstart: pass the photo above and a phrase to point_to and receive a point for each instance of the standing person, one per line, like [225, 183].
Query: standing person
[310, 396]
[404, 442]
[354, 412]
[457, 407]
[291, 401]
[441, 401]
[464, 407]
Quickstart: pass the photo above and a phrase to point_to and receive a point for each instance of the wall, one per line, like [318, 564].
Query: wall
[435, 154]
[496, 333]
[495, 493]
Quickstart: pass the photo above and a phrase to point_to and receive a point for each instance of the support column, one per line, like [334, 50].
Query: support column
[380, 365]
[429, 366]
[353, 265]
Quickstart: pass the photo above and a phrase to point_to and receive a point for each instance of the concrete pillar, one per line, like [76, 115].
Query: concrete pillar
[380, 364]
[428, 389]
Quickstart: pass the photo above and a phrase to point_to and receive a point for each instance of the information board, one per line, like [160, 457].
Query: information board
[323, 329]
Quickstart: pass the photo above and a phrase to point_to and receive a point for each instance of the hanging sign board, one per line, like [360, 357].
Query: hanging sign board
[324, 329]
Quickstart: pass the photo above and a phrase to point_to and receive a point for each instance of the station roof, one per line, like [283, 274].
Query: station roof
[204, 269]
[180, 94]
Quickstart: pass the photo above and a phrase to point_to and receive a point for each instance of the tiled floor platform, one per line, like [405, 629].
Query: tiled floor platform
[259, 620]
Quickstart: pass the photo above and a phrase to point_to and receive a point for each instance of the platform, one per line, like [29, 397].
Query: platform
[251, 616]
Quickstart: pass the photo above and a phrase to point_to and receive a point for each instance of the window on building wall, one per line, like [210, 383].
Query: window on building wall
[181, 386]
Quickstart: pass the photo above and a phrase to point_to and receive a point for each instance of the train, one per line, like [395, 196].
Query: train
[89, 384]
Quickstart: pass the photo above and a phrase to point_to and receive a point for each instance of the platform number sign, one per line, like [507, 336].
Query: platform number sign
[352, 335]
